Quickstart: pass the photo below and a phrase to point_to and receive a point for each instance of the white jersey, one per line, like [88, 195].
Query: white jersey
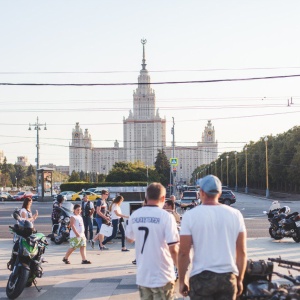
[214, 230]
[79, 225]
[153, 230]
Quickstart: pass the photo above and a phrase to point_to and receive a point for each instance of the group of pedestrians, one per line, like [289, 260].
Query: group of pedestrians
[82, 225]
[212, 233]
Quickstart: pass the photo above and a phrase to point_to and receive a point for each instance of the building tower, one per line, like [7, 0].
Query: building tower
[80, 150]
[144, 130]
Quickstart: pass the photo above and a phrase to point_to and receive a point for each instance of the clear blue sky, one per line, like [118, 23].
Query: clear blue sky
[99, 42]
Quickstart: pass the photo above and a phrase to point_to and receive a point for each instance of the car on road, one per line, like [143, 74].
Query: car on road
[35, 197]
[22, 195]
[67, 194]
[227, 197]
[91, 196]
[189, 197]
[4, 196]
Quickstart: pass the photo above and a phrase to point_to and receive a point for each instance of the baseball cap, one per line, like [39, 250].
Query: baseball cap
[211, 185]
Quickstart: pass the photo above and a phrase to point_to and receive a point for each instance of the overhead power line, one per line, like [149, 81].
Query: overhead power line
[152, 83]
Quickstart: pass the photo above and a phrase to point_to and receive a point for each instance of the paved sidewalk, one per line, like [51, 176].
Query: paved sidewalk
[111, 274]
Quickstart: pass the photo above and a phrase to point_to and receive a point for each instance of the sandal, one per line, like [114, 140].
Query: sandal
[86, 262]
[66, 261]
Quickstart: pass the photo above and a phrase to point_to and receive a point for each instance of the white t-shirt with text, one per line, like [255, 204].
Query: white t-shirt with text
[153, 230]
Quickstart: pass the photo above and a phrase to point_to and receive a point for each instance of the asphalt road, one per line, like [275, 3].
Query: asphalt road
[251, 207]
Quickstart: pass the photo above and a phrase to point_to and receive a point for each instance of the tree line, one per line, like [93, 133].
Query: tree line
[280, 154]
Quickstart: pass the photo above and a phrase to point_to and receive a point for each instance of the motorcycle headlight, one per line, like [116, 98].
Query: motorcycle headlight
[67, 219]
[26, 252]
[61, 217]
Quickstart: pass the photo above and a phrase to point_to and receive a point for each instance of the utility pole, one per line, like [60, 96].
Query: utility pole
[173, 155]
[37, 127]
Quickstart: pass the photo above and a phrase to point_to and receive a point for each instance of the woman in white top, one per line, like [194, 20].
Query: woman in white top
[26, 213]
[116, 215]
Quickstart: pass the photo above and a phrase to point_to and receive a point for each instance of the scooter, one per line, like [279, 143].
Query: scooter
[283, 224]
[258, 283]
[26, 259]
[63, 231]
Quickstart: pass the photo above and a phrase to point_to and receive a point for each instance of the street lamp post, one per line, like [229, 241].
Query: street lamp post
[37, 128]
[236, 178]
[267, 169]
[246, 187]
[216, 168]
[222, 170]
[227, 156]
[16, 182]
[147, 175]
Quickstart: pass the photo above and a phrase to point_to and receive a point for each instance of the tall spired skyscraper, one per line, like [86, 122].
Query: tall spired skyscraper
[144, 130]
[144, 133]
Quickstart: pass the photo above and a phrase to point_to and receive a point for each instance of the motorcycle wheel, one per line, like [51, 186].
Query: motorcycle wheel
[14, 288]
[58, 239]
[296, 239]
[274, 236]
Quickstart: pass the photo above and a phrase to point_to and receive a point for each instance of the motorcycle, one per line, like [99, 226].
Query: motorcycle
[258, 282]
[283, 224]
[63, 231]
[26, 259]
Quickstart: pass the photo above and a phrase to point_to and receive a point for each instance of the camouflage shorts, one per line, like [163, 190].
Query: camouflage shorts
[77, 242]
[160, 293]
[213, 286]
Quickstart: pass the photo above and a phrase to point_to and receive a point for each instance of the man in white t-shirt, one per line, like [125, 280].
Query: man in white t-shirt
[156, 239]
[218, 236]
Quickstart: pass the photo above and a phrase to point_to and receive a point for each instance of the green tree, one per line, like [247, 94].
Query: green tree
[74, 177]
[162, 166]
[5, 172]
[19, 175]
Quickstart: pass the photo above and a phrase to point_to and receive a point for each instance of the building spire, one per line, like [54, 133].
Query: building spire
[144, 41]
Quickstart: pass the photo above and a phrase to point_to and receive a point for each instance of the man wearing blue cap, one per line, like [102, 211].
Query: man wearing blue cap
[218, 235]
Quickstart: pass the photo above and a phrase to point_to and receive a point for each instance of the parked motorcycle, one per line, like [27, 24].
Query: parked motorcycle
[258, 282]
[283, 224]
[26, 259]
[63, 231]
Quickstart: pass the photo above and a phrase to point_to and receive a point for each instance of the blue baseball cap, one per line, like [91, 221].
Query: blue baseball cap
[211, 185]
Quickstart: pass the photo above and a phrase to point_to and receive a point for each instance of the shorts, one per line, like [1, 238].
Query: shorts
[160, 293]
[77, 242]
[209, 285]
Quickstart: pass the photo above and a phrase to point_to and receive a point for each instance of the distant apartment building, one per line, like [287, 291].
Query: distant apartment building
[144, 133]
[1, 157]
[22, 161]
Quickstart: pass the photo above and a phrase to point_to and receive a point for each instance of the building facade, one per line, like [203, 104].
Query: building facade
[144, 132]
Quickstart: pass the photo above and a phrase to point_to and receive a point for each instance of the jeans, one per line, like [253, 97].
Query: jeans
[116, 223]
[88, 226]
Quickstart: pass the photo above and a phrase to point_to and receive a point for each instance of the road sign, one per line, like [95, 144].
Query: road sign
[174, 161]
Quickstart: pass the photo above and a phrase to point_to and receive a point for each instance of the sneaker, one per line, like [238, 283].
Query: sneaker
[92, 244]
[104, 248]
[66, 261]
[125, 250]
[86, 262]
[134, 262]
